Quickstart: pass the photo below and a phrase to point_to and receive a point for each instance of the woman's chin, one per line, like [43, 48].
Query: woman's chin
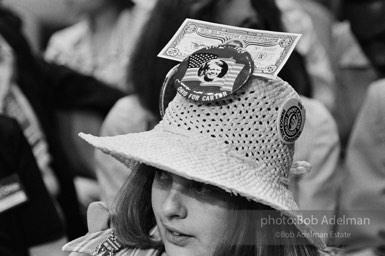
[174, 250]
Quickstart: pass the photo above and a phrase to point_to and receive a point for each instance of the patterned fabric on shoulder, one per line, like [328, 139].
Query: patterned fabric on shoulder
[103, 243]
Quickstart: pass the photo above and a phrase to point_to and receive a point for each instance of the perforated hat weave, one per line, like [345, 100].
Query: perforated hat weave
[231, 143]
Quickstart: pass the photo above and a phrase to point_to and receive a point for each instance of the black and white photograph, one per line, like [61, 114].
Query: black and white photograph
[192, 127]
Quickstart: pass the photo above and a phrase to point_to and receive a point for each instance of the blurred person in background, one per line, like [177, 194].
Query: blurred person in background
[354, 73]
[31, 91]
[334, 6]
[29, 220]
[100, 44]
[363, 190]
[312, 45]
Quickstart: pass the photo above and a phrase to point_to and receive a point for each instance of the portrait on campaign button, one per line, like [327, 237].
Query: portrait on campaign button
[213, 73]
[213, 70]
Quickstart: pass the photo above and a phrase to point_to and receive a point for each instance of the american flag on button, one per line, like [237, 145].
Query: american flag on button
[225, 83]
[196, 60]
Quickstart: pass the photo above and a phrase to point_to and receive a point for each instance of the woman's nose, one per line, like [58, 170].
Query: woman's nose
[174, 205]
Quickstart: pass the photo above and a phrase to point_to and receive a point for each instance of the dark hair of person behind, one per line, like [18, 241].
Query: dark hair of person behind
[10, 30]
[366, 19]
[124, 4]
[147, 71]
[133, 218]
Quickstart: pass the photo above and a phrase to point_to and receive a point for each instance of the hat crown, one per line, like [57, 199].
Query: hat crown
[246, 122]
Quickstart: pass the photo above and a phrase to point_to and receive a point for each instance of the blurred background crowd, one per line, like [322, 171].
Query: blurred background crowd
[69, 66]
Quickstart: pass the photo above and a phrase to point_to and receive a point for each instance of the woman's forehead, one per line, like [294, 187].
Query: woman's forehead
[176, 177]
[181, 179]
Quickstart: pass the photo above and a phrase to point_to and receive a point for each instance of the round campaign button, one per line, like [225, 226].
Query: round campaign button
[213, 73]
[291, 119]
[168, 91]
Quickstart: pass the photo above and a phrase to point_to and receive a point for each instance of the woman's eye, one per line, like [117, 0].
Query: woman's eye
[162, 176]
[203, 189]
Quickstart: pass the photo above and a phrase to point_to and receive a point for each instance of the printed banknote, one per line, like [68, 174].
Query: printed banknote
[269, 50]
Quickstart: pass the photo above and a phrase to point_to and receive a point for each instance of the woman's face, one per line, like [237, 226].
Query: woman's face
[192, 218]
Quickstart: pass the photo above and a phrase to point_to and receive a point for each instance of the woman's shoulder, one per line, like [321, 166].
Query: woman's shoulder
[103, 243]
[87, 243]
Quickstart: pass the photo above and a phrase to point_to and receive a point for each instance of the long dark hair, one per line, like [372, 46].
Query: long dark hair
[124, 4]
[133, 218]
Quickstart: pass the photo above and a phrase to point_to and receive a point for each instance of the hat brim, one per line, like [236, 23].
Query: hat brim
[201, 161]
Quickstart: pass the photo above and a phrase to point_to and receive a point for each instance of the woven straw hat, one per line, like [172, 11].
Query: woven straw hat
[232, 143]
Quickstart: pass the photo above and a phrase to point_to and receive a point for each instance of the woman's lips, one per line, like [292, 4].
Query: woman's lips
[176, 237]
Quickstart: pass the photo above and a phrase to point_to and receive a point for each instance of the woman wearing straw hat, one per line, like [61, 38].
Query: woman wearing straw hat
[211, 177]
